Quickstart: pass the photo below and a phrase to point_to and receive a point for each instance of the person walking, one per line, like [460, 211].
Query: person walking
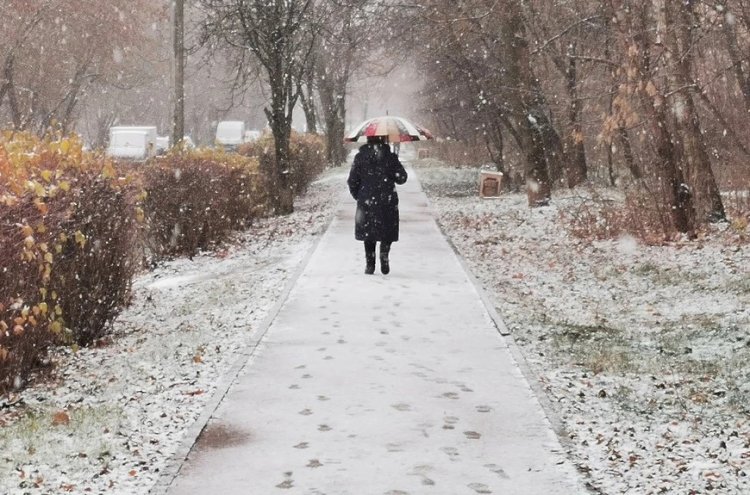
[372, 183]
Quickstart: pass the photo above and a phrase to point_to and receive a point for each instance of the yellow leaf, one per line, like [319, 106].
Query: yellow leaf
[43, 308]
[29, 242]
[55, 327]
[39, 190]
[108, 172]
[65, 146]
[43, 293]
[46, 175]
[41, 206]
[48, 257]
[139, 215]
[80, 238]
[58, 309]
[27, 231]
[64, 185]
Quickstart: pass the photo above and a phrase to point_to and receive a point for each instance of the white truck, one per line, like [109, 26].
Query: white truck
[132, 142]
[230, 134]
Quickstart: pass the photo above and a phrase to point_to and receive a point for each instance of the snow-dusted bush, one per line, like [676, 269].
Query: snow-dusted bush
[196, 198]
[67, 230]
[307, 157]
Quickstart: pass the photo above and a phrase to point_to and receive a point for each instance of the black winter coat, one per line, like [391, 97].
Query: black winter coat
[372, 180]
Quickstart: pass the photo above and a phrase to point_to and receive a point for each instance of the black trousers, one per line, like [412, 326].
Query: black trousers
[385, 248]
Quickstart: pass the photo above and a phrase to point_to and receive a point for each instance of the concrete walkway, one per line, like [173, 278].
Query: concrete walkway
[375, 385]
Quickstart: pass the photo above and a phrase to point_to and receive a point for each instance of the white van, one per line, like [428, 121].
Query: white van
[230, 134]
[132, 142]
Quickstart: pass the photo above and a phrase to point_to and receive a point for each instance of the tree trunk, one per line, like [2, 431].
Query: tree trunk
[575, 150]
[308, 107]
[334, 112]
[627, 153]
[730, 37]
[526, 118]
[178, 118]
[282, 199]
[694, 151]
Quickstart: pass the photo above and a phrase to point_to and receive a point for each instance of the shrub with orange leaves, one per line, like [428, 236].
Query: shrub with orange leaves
[196, 198]
[307, 157]
[67, 231]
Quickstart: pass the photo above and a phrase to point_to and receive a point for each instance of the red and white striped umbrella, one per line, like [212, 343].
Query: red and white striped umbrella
[396, 129]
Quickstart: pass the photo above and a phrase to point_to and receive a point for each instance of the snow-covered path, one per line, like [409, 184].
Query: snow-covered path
[397, 384]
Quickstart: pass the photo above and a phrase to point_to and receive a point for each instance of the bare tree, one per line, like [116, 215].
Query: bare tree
[50, 63]
[178, 119]
[279, 35]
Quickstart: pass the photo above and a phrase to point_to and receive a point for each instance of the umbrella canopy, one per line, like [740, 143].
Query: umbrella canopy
[396, 129]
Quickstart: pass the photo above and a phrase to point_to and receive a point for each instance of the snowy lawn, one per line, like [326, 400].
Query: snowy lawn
[644, 352]
[108, 419]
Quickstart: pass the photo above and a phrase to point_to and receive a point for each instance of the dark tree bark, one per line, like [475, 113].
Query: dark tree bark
[527, 117]
[178, 116]
[679, 20]
[679, 196]
[575, 149]
[281, 35]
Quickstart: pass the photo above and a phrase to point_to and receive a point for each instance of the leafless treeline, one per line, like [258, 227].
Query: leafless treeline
[652, 89]
[557, 92]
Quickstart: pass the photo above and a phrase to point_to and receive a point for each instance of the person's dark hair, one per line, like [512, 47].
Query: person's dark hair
[375, 140]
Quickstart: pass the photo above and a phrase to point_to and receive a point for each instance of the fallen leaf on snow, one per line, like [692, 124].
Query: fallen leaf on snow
[61, 419]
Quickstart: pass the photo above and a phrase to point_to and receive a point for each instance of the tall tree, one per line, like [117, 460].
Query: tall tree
[280, 36]
[178, 118]
[55, 52]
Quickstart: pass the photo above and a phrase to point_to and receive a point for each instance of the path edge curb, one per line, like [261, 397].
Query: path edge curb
[177, 460]
[554, 420]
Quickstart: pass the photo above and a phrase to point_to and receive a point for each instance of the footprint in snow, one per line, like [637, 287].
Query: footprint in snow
[401, 406]
[497, 470]
[479, 488]
[473, 435]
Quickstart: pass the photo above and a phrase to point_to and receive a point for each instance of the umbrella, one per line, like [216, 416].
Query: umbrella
[396, 129]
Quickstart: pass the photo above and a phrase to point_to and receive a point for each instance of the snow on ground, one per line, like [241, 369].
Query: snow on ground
[109, 418]
[644, 352]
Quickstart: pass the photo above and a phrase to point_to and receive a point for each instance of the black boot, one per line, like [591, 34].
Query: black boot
[385, 267]
[370, 266]
[369, 257]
